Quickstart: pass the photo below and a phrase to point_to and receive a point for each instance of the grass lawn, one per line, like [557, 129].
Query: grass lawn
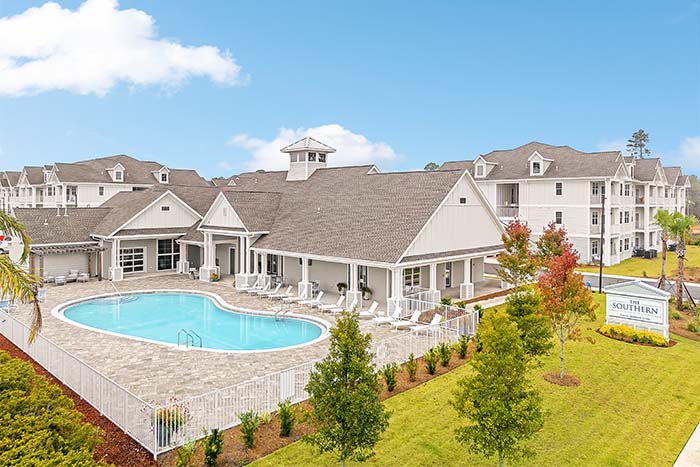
[636, 407]
[636, 267]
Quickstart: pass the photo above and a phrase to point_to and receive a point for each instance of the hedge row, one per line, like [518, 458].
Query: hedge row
[39, 425]
[628, 333]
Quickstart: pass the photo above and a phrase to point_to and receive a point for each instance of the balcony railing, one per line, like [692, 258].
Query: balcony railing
[639, 199]
[596, 199]
[507, 211]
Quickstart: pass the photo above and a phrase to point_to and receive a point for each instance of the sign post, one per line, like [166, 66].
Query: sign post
[638, 305]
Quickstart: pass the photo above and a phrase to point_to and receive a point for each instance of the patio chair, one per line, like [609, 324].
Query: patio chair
[379, 320]
[327, 307]
[338, 309]
[298, 298]
[279, 296]
[407, 323]
[371, 312]
[422, 327]
[314, 302]
[60, 280]
[257, 288]
[72, 275]
[265, 293]
[83, 277]
[48, 278]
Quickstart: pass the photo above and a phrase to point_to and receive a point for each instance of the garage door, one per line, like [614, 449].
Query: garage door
[61, 264]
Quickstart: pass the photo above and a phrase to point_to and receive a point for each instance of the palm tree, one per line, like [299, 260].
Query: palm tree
[663, 219]
[679, 230]
[16, 284]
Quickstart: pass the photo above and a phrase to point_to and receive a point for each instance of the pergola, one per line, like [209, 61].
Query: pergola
[42, 250]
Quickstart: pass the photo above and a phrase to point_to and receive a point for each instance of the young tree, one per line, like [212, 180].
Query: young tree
[663, 219]
[518, 265]
[430, 166]
[565, 298]
[637, 144]
[344, 394]
[15, 283]
[501, 408]
[551, 243]
[679, 229]
[525, 309]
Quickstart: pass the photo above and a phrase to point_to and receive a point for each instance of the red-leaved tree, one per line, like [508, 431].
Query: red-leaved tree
[518, 263]
[551, 243]
[565, 298]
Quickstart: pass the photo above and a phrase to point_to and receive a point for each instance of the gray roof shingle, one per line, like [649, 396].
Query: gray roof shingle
[43, 225]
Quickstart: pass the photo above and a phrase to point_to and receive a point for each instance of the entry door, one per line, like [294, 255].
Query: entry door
[448, 275]
[232, 261]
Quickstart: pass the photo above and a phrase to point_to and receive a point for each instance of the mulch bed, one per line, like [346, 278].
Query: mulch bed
[671, 343]
[267, 439]
[567, 381]
[117, 447]
[680, 326]
[500, 293]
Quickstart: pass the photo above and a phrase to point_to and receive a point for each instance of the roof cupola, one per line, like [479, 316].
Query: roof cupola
[305, 156]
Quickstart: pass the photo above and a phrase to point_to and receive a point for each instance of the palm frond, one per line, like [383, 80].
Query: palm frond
[10, 226]
[16, 284]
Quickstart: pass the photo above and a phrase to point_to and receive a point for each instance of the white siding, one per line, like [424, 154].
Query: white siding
[222, 214]
[154, 217]
[458, 226]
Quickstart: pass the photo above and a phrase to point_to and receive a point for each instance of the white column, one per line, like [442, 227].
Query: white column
[183, 267]
[33, 196]
[116, 271]
[263, 264]
[433, 276]
[466, 288]
[353, 293]
[65, 195]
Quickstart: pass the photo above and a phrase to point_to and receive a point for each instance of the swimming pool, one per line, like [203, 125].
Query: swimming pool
[159, 317]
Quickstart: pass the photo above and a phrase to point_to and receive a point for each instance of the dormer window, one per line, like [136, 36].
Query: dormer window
[312, 157]
[46, 177]
[119, 176]
[480, 170]
[164, 177]
[536, 168]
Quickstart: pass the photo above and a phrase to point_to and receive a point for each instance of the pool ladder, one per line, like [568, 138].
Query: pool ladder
[190, 336]
[284, 308]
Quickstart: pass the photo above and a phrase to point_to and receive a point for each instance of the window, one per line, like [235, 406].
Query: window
[627, 217]
[168, 254]
[666, 192]
[138, 188]
[620, 189]
[312, 157]
[101, 190]
[594, 248]
[536, 168]
[558, 188]
[627, 189]
[302, 157]
[480, 170]
[627, 244]
[322, 157]
[46, 177]
[118, 176]
[50, 190]
[595, 189]
[164, 177]
[620, 247]
[594, 218]
[293, 157]
[411, 277]
[463, 200]
[274, 265]
[362, 276]
[620, 217]
[558, 217]
[165, 208]
[132, 259]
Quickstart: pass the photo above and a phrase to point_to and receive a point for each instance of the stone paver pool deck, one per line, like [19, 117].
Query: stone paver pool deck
[156, 372]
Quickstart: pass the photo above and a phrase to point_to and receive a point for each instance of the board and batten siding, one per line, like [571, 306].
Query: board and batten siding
[222, 214]
[155, 217]
[61, 264]
[458, 226]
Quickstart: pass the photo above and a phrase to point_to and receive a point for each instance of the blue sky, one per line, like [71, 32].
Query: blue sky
[394, 82]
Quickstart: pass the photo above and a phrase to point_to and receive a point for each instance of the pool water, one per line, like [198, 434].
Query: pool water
[160, 316]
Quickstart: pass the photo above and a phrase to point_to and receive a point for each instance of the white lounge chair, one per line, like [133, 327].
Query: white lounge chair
[338, 309]
[407, 323]
[422, 327]
[388, 319]
[335, 305]
[72, 275]
[279, 296]
[265, 293]
[314, 302]
[256, 288]
[371, 312]
[298, 298]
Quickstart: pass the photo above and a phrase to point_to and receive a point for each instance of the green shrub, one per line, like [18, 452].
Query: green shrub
[479, 309]
[431, 361]
[40, 425]
[250, 422]
[444, 352]
[446, 300]
[676, 315]
[265, 418]
[389, 372]
[461, 304]
[628, 333]
[694, 326]
[411, 367]
[462, 346]
[185, 454]
[213, 447]
[287, 418]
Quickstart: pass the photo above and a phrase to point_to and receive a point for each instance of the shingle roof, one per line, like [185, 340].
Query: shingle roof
[44, 226]
[672, 174]
[35, 175]
[257, 210]
[682, 180]
[645, 169]
[13, 177]
[307, 144]
[567, 162]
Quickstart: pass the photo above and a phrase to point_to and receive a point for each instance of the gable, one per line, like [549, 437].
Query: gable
[221, 214]
[457, 226]
[177, 215]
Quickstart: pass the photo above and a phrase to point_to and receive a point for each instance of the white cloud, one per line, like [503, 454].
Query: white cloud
[91, 49]
[352, 148]
[690, 152]
[612, 145]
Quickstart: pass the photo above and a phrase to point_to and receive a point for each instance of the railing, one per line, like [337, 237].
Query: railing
[639, 199]
[507, 211]
[596, 199]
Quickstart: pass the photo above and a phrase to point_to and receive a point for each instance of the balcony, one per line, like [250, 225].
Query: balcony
[595, 228]
[507, 211]
[639, 199]
[596, 199]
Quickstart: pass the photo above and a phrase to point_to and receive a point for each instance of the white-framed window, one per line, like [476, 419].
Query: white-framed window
[620, 246]
[119, 175]
[558, 188]
[132, 259]
[594, 247]
[50, 190]
[168, 254]
[595, 188]
[164, 177]
[666, 192]
[536, 168]
[312, 157]
[275, 266]
[627, 217]
[595, 218]
[100, 191]
[411, 277]
[627, 189]
[463, 200]
[620, 189]
[480, 170]
[322, 157]
[627, 244]
[293, 157]
[558, 217]
[165, 208]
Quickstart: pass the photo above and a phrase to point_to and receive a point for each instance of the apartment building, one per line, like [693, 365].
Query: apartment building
[539, 183]
[87, 183]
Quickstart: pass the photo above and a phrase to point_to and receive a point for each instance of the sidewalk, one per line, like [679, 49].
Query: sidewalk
[690, 455]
